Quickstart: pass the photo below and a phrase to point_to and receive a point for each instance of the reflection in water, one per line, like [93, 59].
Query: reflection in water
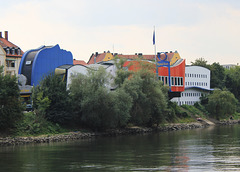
[210, 149]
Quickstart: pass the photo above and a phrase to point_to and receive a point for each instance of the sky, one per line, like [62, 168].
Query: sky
[208, 29]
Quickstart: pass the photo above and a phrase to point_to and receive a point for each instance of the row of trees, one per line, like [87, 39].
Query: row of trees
[140, 100]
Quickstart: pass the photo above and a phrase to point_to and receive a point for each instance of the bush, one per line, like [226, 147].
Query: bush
[221, 104]
[95, 106]
[32, 124]
[53, 89]
[10, 103]
[148, 94]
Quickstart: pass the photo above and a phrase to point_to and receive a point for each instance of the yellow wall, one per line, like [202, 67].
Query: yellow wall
[108, 57]
[176, 57]
[3, 59]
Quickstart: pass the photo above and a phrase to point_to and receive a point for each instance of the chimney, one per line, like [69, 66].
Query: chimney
[95, 57]
[6, 35]
[0, 34]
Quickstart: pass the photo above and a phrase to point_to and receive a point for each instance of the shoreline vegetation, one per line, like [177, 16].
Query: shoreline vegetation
[78, 135]
[138, 99]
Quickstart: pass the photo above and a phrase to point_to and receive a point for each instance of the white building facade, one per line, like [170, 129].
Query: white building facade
[197, 83]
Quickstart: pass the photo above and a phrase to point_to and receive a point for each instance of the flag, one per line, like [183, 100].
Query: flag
[154, 37]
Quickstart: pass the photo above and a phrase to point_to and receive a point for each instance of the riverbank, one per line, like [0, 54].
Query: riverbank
[88, 135]
[7, 141]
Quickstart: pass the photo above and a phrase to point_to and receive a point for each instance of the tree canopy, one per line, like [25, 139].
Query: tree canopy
[10, 103]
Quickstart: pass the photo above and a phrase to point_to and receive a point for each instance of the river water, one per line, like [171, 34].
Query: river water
[208, 149]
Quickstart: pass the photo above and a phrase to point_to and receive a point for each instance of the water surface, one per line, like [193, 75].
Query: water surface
[209, 149]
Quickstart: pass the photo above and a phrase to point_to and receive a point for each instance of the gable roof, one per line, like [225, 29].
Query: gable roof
[5, 43]
[146, 57]
[81, 62]
[98, 57]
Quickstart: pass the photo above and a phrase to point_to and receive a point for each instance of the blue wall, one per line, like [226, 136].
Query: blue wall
[44, 61]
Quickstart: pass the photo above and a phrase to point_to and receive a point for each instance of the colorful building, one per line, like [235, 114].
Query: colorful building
[10, 55]
[79, 62]
[37, 63]
[170, 68]
[99, 57]
[197, 83]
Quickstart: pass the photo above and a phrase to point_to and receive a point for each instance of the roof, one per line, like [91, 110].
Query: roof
[201, 88]
[64, 66]
[145, 57]
[5, 43]
[99, 58]
[81, 62]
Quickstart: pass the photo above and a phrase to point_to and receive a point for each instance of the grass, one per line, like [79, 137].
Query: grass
[33, 125]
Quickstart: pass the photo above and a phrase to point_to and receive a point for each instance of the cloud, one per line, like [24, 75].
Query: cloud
[196, 29]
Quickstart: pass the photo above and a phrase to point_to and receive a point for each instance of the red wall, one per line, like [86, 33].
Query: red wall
[176, 71]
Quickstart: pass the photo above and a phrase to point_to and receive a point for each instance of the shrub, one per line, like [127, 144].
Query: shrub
[10, 103]
[53, 89]
[95, 106]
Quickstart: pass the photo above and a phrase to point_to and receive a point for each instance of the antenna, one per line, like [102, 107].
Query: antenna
[113, 48]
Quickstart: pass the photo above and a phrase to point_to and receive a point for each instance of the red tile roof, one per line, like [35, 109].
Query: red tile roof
[99, 58]
[5, 43]
[146, 57]
[81, 62]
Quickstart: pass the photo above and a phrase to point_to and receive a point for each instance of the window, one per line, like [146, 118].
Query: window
[181, 81]
[12, 64]
[166, 80]
[13, 51]
[172, 81]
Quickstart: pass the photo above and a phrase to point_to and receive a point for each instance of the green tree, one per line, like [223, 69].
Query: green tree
[232, 81]
[10, 103]
[217, 76]
[217, 72]
[201, 62]
[95, 106]
[148, 94]
[221, 104]
[122, 72]
[53, 89]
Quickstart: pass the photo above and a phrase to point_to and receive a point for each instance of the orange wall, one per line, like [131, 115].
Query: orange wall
[176, 71]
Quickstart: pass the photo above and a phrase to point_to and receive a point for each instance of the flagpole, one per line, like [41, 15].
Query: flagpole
[155, 52]
[154, 46]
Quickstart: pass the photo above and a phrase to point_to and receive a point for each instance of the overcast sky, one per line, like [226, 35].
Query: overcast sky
[195, 28]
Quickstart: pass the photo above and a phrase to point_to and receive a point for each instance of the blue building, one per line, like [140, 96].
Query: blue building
[40, 62]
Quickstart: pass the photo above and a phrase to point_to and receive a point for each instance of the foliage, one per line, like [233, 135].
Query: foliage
[201, 62]
[52, 98]
[1, 70]
[95, 106]
[148, 94]
[10, 104]
[232, 81]
[217, 76]
[201, 110]
[196, 111]
[41, 103]
[122, 73]
[217, 72]
[33, 124]
[221, 104]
